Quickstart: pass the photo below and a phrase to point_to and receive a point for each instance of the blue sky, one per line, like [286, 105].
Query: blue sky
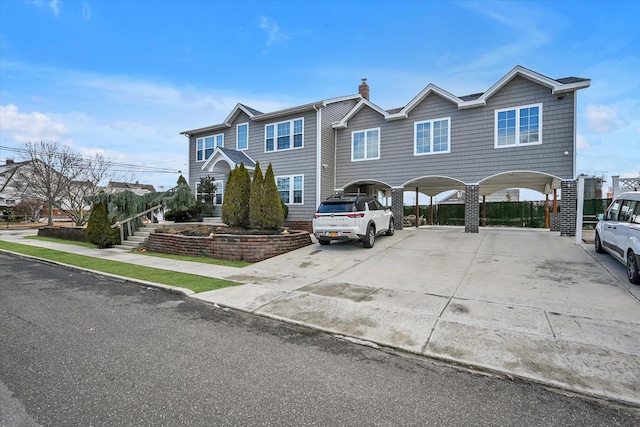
[124, 78]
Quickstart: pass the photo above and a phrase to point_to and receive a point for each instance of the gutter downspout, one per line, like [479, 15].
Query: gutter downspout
[188, 159]
[575, 130]
[335, 155]
[318, 156]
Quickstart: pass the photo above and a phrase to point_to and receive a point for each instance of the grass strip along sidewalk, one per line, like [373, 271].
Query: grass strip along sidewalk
[184, 280]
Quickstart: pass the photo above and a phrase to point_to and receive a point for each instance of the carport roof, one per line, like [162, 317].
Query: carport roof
[434, 185]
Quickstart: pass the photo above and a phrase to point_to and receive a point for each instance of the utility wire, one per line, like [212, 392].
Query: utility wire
[129, 167]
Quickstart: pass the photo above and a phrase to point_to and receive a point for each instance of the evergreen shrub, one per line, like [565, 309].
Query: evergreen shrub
[99, 231]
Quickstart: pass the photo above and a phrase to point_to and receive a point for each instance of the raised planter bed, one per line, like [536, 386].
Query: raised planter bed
[233, 247]
[67, 233]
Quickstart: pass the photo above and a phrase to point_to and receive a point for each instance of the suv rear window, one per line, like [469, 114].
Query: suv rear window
[336, 206]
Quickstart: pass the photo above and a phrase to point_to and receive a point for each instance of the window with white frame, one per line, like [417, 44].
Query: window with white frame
[206, 145]
[518, 126]
[365, 144]
[242, 136]
[284, 135]
[432, 137]
[290, 189]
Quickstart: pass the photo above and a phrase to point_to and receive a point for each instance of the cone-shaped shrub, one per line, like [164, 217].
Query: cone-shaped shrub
[272, 207]
[235, 207]
[244, 194]
[99, 231]
[255, 200]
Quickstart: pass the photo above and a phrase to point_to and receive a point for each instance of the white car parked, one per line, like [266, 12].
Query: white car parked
[618, 232]
[356, 217]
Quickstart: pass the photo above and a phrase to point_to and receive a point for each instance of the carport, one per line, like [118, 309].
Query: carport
[537, 181]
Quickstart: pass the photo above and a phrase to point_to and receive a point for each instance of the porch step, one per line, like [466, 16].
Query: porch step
[212, 220]
[138, 239]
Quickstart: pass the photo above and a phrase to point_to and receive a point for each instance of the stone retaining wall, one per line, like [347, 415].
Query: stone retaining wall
[232, 247]
[67, 233]
[299, 225]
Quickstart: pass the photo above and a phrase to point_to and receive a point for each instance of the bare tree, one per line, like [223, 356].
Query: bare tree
[76, 201]
[50, 170]
[29, 208]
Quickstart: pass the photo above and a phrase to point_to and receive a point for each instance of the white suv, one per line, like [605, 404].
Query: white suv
[618, 232]
[352, 218]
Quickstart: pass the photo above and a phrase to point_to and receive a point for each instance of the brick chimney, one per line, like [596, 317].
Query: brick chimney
[363, 89]
[9, 161]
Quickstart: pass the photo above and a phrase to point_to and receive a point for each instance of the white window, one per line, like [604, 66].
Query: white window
[518, 126]
[365, 144]
[242, 136]
[432, 137]
[206, 145]
[284, 135]
[290, 189]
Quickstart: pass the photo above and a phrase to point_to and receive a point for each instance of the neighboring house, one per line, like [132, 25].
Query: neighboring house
[458, 197]
[135, 187]
[9, 195]
[520, 133]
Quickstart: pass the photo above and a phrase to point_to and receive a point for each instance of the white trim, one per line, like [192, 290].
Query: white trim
[481, 101]
[204, 148]
[365, 144]
[363, 102]
[292, 189]
[275, 135]
[517, 119]
[318, 155]
[237, 133]
[431, 137]
[575, 130]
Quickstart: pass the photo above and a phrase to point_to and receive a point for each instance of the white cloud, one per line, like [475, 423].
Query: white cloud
[272, 29]
[86, 10]
[601, 118]
[55, 6]
[582, 143]
[30, 127]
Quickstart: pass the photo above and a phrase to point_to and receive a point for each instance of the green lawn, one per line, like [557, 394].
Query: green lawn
[65, 241]
[201, 259]
[204, 260]
[183, 280]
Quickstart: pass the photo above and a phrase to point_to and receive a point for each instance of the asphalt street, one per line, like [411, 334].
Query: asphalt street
[80, 349]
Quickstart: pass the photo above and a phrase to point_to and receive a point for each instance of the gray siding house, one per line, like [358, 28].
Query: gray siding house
[521, 132]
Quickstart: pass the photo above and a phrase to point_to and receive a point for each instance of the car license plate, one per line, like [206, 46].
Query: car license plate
[333, 234]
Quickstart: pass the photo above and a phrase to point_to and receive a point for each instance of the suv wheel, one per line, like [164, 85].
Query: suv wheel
[324, 242]
[370, 238]
[391, 228]
[598, 244]
[632, 268]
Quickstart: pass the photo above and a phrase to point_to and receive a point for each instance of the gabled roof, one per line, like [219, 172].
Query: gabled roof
[232, 157]
[131, 186]
[251, 112]
[363, 103]
[563, 85]
[256, 115]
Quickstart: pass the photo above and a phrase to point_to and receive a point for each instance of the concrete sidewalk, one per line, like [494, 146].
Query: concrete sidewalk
[520, 303]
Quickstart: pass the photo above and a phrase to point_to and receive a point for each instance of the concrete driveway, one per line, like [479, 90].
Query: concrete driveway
[524, 303]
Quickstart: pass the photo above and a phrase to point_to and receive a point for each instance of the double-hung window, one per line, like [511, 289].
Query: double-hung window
[365, 144]
[432, 137]
[242, 136]
[518, 126]
[290, 189]
[284, 135]
[206, 145]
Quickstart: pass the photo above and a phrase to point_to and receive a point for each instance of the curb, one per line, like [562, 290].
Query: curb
[167, 288]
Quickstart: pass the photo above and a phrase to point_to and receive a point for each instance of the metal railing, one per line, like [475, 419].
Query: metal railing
[132, 224]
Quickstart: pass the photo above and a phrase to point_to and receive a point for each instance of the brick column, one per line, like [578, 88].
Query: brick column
[397, 207]
[472, 209]
[568, 210]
